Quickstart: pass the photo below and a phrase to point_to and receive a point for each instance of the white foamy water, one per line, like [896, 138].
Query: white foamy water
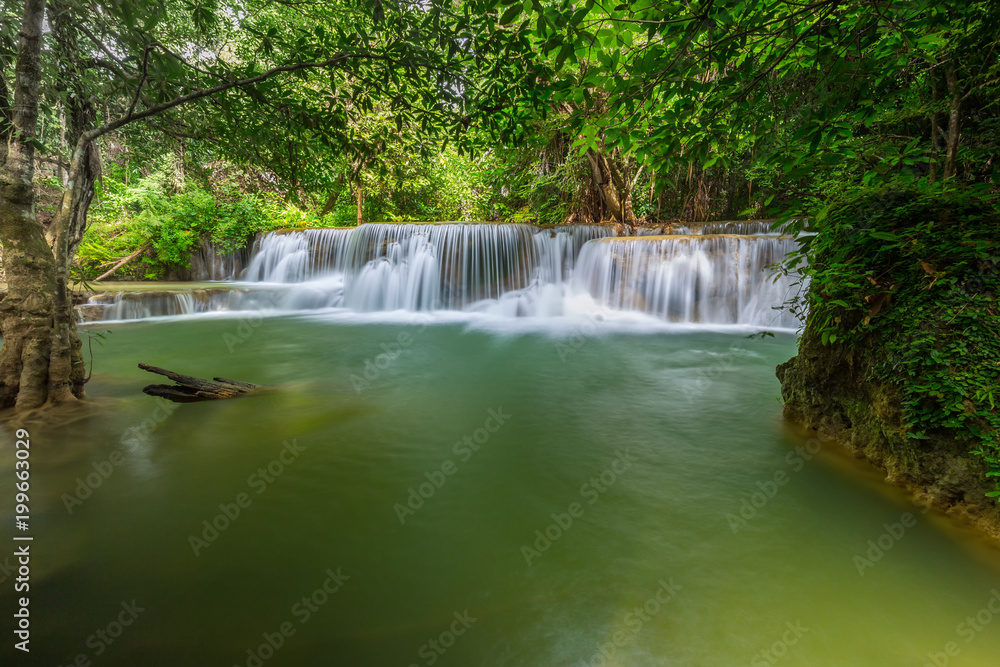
[721, 276]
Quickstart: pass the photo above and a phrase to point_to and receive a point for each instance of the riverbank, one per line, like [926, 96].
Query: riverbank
[898, 359]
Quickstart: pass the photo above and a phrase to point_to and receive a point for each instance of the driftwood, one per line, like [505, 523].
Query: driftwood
[191, 389]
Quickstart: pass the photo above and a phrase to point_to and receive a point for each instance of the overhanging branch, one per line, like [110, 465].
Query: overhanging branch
[157, 109]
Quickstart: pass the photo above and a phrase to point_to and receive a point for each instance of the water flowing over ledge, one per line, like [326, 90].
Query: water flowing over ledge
[714, 274]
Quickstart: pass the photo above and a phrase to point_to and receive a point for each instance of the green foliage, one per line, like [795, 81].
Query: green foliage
[169, 216]
[911, 276]
[404, 186]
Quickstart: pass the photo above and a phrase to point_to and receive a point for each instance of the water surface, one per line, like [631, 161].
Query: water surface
[644, 444]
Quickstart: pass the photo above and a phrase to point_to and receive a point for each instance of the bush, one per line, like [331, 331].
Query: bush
[170, 222]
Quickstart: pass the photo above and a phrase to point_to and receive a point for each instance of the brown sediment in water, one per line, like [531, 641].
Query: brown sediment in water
[964, 529]
[828, 390]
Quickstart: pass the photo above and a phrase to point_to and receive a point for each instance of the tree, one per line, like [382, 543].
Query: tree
[769, 100]
[26, 314]
[184, 68]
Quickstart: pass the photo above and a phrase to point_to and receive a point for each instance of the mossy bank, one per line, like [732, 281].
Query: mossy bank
[900, 357]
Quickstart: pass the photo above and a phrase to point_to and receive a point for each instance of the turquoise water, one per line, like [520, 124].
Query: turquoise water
[635, 450]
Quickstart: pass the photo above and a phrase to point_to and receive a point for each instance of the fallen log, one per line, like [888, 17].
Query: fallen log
[120, 264]
[191, 389]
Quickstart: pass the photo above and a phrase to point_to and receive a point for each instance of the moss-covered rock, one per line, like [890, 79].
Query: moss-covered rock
[829, 389]
[900, 357]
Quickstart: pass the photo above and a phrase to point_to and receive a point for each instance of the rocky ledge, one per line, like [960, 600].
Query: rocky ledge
[829, 390]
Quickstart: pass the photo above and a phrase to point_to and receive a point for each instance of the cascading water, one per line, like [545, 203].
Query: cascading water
[709, 279]
[742, 227]
[511, 270]
[125, 305]
[297, 256]
[211, 263]
[426, 267]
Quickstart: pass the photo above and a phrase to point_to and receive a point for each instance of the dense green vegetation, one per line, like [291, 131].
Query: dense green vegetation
[570, 111]
[910, 278]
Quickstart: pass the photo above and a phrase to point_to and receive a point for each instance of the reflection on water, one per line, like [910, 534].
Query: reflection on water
[374, 510]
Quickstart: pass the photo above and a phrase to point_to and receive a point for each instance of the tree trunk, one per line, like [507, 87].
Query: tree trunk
[361, 203]
[616, 192]
[26, 313]
[191, 389]
[66, 368]
[331, 201]
[934, 128]
[954, 118]
[6, 119]
[62, 173]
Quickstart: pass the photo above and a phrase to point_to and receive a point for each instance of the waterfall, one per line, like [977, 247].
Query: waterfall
[209, 263]
[742, 227]
[425, 267]
[123, 305]
[558, 248]
[708, 279]
[716, 273]
[296, 256]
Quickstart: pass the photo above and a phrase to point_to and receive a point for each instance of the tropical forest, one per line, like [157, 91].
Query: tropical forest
[499, 333]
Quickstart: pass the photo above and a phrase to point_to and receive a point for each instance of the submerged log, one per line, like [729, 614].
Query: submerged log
[191, 389]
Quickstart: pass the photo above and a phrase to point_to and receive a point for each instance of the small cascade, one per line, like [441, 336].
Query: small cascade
[209, 263]
[298, 255]
[707, 279]
[664, 229]
[122, 305]
[741, 227]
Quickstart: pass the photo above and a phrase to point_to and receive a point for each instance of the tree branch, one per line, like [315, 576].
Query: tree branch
[131, 117]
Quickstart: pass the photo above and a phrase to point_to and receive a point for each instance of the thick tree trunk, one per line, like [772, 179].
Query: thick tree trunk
[616, 193]
[935, 127]
[27, 312]
[66, 368]
[361, 203]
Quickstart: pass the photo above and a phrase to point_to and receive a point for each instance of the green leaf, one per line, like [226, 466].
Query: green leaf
[512, 12]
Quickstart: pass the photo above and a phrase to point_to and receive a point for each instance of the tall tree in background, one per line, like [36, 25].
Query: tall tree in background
[801, 97]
